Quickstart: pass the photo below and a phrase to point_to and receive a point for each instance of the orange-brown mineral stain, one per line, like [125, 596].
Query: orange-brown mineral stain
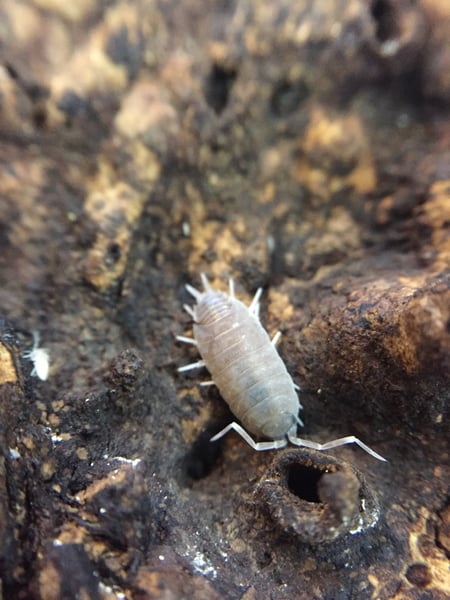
[8, 372]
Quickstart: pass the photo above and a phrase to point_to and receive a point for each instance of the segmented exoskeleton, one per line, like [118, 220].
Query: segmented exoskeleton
[249, 372]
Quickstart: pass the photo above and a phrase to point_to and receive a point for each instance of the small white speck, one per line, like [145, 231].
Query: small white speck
[162, 557]
[186, 229]
[389, 47]
[199, 562]
[57, 543]
[102, 510]
[356, 530]
[270, 241]
[14, 454]
[403, 120]
[40, 358]
[129, 461]
[107, 589]
[201, 565]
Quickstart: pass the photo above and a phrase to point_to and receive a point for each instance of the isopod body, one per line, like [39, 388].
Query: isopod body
[245, 365]
[248, 371]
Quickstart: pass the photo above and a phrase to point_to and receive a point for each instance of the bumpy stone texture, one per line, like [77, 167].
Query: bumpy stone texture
[298, 146]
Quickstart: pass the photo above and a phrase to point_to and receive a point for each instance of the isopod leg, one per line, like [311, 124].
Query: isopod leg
[205, 282]
[193, 292]
[189, 310]
[36, 339]
[298, 421]
[186, 340]
[276, 338]
[273, 445]
[254, 306]
[196, 365]
[231, 284]
[349, 439]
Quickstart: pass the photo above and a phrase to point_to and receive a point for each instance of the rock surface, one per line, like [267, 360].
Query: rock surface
[302, 147]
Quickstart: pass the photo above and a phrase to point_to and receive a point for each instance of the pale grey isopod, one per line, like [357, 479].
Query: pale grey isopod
[248, 371]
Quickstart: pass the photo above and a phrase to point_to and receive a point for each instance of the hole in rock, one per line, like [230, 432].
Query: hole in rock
[386, 20]
[203, 456]
[218, 86]
[302, 481]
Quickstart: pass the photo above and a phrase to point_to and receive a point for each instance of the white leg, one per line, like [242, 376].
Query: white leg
[187, 340]
[205, 383]
[254, 306]
[231, 284]
[36, 338]
[293, 430]
[349, 439]
[276, 338]
[196, 365]
[273, 445]
[205, 283]
[189, 310]
[297, 388]
[193, 292]
[30, 353]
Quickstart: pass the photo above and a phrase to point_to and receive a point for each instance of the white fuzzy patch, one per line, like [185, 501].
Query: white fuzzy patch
[40, 358]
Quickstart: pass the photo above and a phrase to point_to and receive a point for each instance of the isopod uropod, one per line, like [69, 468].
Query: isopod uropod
[248, 371]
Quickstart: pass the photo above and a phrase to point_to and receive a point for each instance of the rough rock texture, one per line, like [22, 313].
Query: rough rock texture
[299, 146]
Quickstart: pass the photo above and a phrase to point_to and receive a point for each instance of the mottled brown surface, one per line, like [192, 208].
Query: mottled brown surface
[298, 146]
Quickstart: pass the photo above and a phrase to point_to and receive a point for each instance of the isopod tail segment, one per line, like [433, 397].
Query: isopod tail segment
[348, 439]
[296, 441]
[291, 434]
[272, 445]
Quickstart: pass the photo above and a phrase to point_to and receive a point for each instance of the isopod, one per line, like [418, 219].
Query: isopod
[40, 358]
[248, 371]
